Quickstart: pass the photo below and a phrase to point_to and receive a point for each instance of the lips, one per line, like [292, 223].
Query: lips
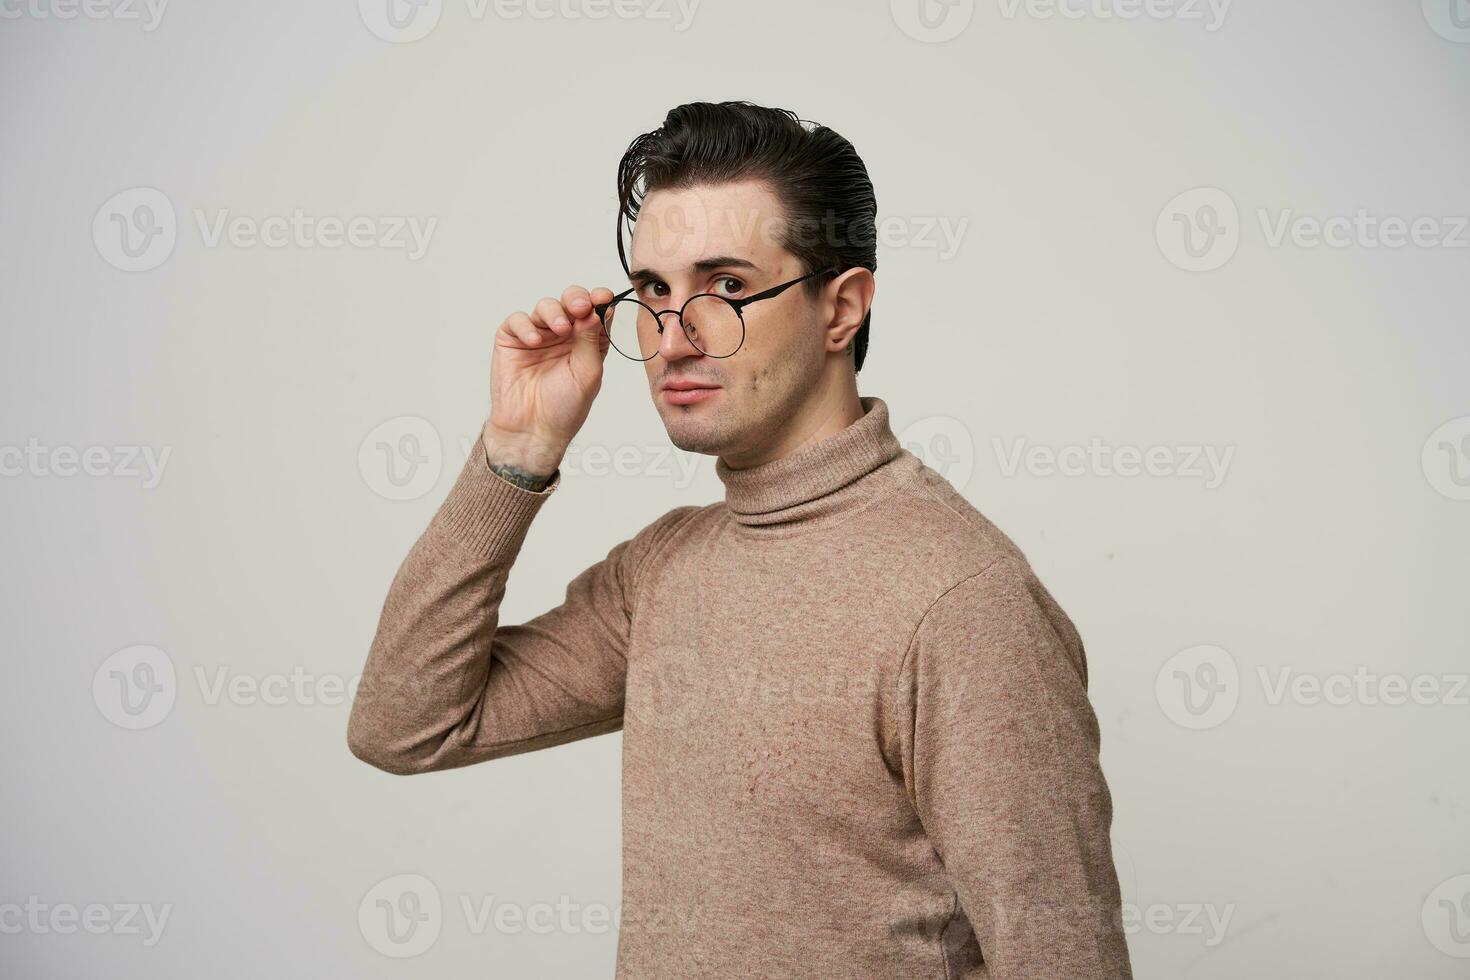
[687, 392]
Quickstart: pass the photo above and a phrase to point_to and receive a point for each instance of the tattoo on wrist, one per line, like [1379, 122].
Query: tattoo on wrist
[534, 482]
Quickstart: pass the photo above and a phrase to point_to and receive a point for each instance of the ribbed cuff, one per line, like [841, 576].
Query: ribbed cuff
[485, 513]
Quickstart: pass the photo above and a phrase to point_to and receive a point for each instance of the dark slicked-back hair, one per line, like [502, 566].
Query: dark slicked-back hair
[830, 210]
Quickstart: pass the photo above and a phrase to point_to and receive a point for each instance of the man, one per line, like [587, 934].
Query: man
[857, 740]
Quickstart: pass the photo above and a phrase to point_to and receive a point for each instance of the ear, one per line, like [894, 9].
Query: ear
[852, 297]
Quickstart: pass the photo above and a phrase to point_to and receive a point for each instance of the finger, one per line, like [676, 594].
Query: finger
[576, 301]
[520, 326]
[550, 315]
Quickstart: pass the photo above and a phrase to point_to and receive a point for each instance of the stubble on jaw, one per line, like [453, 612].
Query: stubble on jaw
[756, 408]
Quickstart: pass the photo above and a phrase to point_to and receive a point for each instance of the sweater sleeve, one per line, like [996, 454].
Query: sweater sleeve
[445, 685]
[1002, 763]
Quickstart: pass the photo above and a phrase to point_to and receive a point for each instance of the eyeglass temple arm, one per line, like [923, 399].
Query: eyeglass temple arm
[601, 308]
[774, 290]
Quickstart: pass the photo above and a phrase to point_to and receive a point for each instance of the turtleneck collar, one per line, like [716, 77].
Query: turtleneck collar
[821, 482]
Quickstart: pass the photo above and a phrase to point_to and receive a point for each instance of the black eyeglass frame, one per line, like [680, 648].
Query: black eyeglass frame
[738, 304]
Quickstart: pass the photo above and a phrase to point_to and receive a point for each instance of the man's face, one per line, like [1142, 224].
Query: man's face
[738, 225]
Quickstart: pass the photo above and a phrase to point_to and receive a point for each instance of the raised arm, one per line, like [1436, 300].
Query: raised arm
[1002, 761]
[446, 686]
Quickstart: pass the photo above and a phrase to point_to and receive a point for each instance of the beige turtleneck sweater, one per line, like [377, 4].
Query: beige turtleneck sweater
[857, 740]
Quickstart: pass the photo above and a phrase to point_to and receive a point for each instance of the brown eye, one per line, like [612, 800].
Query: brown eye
[737, 287]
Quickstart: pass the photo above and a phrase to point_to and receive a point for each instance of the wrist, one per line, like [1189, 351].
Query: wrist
[525, 460]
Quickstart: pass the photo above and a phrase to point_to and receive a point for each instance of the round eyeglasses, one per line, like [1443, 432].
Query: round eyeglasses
[714, 324]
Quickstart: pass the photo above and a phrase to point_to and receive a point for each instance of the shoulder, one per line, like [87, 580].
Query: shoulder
[670, 522]
[1001, 620]
[655, 537]
[933, 539]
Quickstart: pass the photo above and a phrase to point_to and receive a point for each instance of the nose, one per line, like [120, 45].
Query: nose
[673, 343]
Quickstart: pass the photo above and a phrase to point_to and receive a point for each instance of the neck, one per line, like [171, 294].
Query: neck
[833, 409]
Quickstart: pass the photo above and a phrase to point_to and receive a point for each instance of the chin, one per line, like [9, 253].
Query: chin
[695, 435]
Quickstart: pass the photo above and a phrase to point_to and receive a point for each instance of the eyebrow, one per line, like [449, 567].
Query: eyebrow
[639, 276]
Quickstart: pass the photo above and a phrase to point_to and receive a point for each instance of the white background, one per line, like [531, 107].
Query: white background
[1327, 832]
